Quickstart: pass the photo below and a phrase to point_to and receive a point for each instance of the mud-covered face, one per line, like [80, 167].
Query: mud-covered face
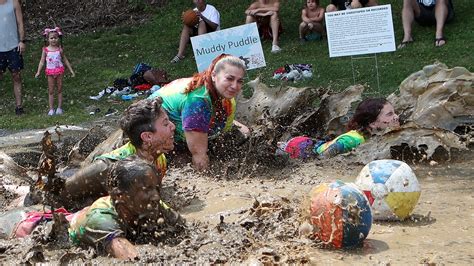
[143, 197]
[387, 118]
[228, 81]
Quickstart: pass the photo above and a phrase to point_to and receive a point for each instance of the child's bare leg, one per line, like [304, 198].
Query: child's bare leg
[59, 85]
[302, 29]
[318, 27]
[51, 83]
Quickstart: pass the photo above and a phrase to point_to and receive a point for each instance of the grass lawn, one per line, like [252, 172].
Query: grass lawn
[102, 56]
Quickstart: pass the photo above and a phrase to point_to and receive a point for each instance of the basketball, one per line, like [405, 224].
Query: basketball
[190, 18]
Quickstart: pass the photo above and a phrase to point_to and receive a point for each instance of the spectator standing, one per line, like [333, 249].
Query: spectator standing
[12, 45]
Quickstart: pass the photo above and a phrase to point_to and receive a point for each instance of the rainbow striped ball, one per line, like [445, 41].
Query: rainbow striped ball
[340, 214]
[391, 188]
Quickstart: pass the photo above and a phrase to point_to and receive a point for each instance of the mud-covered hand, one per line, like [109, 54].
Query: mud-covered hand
[121, 248]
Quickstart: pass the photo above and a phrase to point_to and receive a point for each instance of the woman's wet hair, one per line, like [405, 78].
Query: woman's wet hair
[366, 113]
[125, 173]
[139, 117]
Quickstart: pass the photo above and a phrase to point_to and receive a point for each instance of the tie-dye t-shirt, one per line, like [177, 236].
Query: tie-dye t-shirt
[128, 150]
[194, 111]
[342, 144]
[97, 224]
[306, 147]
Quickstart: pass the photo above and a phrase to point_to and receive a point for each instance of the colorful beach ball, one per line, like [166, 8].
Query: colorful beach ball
[340, 214]
[391, 188]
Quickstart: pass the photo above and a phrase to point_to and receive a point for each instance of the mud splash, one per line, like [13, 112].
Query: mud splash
[248, 209]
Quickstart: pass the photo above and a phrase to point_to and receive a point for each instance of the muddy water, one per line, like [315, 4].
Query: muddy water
[256, 220]
[439, 231]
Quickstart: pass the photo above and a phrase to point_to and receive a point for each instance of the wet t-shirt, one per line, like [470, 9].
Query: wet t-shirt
[342, 144]
[194, 111]
[128, 150]
[97, 224]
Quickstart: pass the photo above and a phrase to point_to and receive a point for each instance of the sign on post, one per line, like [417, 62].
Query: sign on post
[360, 31]
[241, 41]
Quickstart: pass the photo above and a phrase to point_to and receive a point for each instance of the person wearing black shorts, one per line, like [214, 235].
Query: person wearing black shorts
[426, 13]
[337, 5]
[12, 45]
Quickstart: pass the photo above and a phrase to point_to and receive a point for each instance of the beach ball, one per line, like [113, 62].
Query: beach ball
[340, 214]
[391, 188]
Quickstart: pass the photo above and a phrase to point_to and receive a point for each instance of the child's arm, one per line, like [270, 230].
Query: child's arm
[68, 65]
[41, 63]
[319, 17]
[304, 16]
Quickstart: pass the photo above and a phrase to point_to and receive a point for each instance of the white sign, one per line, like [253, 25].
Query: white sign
[241, 41]
[360, 31]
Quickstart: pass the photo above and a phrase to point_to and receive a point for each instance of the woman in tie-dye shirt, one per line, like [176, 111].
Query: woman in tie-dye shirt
[204, 105]
[371, 115]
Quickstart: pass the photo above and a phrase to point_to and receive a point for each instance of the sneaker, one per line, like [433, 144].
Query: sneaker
[276, 48]
[19, 110]
[176, 59]
[51, 112]
[303, 40]
[59, 111]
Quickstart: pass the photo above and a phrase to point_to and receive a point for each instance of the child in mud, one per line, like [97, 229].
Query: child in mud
[110, 224]
[53, 55]
[312, 17]
[372, 115]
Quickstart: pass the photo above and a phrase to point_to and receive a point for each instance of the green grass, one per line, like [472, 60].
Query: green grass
[102, 56]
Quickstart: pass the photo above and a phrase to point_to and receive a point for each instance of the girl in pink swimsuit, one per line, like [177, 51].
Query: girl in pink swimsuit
[53, 55]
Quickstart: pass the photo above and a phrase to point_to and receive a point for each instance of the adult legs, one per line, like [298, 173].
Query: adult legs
[441, 13]
[275, 24]
[202, 28]
[184, 39]
[410, 10]
[250, 19]
[16, 77]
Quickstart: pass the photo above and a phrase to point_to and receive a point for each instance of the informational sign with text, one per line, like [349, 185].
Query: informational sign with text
[360, 31]
[241, 41]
